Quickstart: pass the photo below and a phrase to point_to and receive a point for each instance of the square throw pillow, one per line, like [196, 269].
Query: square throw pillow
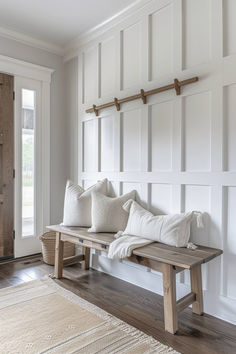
[108, 214]
[77, 204]
[173, 230]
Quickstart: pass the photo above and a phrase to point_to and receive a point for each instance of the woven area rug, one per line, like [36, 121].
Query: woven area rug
[42, 317]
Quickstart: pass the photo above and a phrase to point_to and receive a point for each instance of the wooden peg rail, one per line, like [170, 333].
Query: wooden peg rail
[143, 95]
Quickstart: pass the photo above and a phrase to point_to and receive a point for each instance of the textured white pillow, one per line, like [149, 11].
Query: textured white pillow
[77, 204]
[173, 230]
[108, 214]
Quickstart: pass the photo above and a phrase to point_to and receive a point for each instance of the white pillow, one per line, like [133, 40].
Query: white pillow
[77, 204]
[108, 214]
[173, 230]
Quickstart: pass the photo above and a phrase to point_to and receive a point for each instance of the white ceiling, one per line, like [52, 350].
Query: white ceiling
[57, 21]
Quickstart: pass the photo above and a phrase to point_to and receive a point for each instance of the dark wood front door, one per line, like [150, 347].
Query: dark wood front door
[6, 165]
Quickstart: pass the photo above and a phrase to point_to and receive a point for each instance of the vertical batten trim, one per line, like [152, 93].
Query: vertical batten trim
[176, 198]
[177, 36]
[82, 147]
[217, 29]
[121, 147]
[117, 142]
[183, 132]
[79, 145]
[144, 138]
[144, 37]
[183, 276]
[83, 78]
[121, 79]
[216, 230]
[224, 222]
[117, 39]
[144, 194]
[99, 76]
[149, 195]
[211, 30]
[149, 47]
[149, 122]
[224, 123]
[97, 144]
[217, 129]
[176, 153]
[183, 36]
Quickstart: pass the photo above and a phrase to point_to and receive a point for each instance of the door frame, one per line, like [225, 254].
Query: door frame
[21, 69]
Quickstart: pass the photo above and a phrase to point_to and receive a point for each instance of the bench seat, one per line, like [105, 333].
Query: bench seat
[163, 258]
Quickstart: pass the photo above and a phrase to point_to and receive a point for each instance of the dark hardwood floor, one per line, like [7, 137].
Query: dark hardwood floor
[136, 306]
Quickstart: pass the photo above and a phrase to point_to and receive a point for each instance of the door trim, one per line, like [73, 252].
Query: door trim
[22, 69]
[18, 67]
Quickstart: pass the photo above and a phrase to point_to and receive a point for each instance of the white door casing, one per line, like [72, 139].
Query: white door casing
[37, 78]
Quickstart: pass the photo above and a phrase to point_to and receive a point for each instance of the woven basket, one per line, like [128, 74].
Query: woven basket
[48, 240]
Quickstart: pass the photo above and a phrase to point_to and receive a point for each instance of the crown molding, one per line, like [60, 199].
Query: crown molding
[31, 41]
[72, 48]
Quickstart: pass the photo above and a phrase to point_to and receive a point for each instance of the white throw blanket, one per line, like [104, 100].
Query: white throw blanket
[124, 245]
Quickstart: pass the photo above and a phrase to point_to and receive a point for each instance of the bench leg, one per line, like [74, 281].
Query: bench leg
[85, 264]
[59, 256]
[196, 287]
[169, 290]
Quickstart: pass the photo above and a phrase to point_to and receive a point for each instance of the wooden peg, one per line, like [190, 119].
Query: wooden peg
[143, 97]
[95, 110]
[117, 104]
[177, 86]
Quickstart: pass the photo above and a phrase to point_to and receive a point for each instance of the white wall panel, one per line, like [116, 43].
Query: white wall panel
[177, 152]
[131, 56]
[161, 38]
[229, 25]
[88, 183]
[196, 32]
[131, 133]
[129, 186]
[90, 74]
[161, 199]
[108, 67]
[199, 198]
[230, 251]
[161, 136]
[89, 136]
[107, 143]
[197, 115]
[230, 127]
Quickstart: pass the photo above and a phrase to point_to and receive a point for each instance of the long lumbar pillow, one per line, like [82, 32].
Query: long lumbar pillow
[173, 230]
[77, 204]
[108, 214]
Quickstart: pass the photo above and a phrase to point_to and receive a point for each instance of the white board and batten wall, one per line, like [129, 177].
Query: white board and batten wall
[178, 152]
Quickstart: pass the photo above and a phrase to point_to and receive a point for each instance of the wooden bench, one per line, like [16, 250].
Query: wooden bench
[162, 258]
